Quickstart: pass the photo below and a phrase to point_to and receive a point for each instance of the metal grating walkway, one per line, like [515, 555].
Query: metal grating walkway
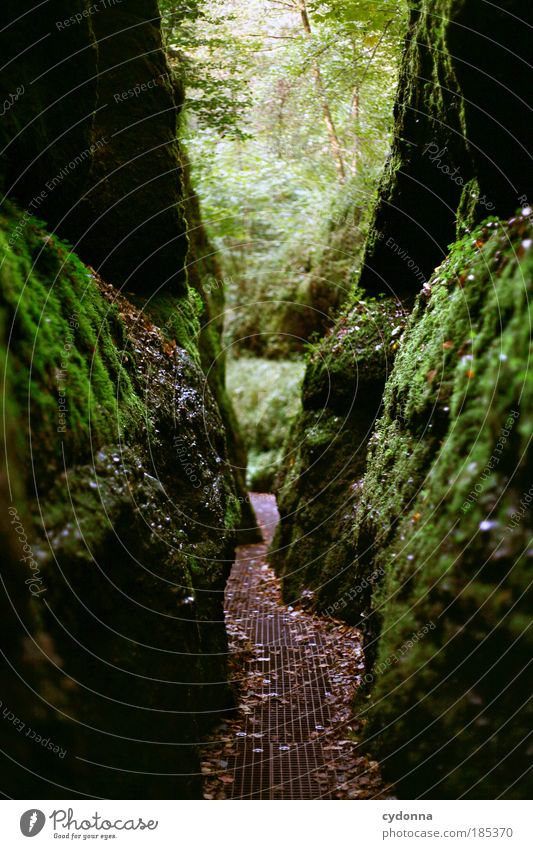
[279, 754]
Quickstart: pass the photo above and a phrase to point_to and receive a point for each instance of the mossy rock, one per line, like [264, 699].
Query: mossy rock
[446, 472]
[124, 492]
[425, 539]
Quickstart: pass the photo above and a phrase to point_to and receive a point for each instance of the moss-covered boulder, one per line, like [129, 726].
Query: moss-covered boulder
[425, 543]
[120, 534]
[324, 457]
[442, 531]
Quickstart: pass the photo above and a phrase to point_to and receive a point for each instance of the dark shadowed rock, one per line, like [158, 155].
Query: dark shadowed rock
[460, 150]
[406, 504]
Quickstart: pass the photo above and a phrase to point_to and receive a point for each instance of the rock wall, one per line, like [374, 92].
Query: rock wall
[119, 505]
[442, 530]
[404, 499]
[206, 276]
[460, 147]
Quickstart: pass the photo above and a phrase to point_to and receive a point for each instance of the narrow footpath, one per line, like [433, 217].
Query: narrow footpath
[295, 675]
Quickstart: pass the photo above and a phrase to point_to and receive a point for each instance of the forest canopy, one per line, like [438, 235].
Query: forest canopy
[288, 115]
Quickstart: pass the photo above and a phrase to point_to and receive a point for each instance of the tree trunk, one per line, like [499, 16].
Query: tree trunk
[334, 143]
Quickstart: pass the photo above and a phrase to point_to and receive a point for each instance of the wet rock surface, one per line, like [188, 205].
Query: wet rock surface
[118, 651]
[118, 472]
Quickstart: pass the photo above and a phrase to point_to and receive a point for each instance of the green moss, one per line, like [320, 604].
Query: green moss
[68, 344]
[132, 491]
[322, 453]
[266, 395]
[468, 211]
[421, 534]
[446, 471]
[358, 351]
[177, 317]
[326, 449]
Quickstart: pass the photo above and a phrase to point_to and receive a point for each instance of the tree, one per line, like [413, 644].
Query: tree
[335, 145]
[282, 108]
[210, 62]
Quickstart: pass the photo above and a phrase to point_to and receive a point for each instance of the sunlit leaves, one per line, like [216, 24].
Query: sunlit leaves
[368, 12]
[255, 128]
[211, 61]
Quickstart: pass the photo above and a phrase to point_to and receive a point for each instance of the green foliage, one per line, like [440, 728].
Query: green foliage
[209, 60]
[265, 394]
[358, 12]
[264, 192]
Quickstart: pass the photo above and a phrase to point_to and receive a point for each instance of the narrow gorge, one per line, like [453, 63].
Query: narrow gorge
[380, 387]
